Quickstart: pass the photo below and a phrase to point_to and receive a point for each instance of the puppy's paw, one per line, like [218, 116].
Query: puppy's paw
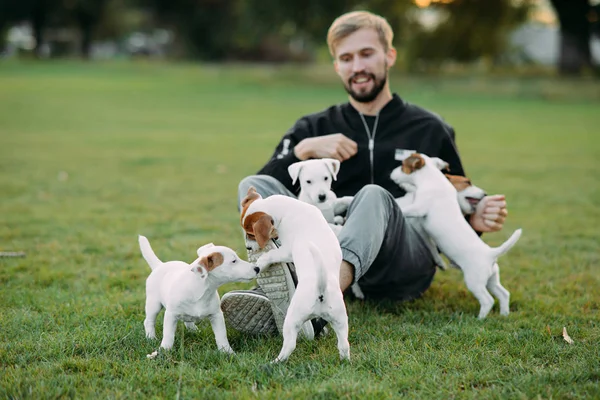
[151, 334]
[263, 261]
[227, 350]
[166, 346]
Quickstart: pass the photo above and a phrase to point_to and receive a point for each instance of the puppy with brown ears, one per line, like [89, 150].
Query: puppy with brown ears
[308, 242]
[188, 292]
[435, 199]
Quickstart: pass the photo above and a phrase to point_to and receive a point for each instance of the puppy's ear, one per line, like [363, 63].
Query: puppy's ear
[263, 230]
[200, 249]
[250, 196]
[294, 170]
[412, 163]
[211, 261]
[333, 165]
[199, 269]
[439, 163]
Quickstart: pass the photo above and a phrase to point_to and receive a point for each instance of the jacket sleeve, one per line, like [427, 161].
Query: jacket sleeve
[449, 152]
[284, 156]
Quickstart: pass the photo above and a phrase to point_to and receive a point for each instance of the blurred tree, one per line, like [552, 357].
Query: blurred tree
[45, 14]
[575, 33]
[38, 12]
[468, 30]
[206, 26]
[87, 14]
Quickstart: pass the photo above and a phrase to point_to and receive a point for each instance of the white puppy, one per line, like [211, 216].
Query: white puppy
[308, 242]
[468, 195]
[315, 178]
[436, 200]
[188, 292]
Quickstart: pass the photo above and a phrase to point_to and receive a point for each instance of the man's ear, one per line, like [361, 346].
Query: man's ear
[263, 230]
[439, 163]
[390, 57]
[333, 165]
[294, 170]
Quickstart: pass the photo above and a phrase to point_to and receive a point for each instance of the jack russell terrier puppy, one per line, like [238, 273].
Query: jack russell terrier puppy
[315, 178]
[188, 292]
[436, 201]
[308, 242]
[468, 195]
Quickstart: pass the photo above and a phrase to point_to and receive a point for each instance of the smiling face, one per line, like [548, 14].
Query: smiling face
[362, 62]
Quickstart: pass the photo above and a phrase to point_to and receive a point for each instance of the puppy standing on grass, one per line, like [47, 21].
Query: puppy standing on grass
[308, 242]
[315, 178]
[188, 292]
[436, 201]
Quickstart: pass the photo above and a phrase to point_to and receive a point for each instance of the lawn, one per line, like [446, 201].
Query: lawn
[91, 155]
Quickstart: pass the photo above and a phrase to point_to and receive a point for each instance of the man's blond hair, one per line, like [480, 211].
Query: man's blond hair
[348, 23]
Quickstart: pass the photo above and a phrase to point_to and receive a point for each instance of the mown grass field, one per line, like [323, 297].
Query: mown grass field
[91, 155]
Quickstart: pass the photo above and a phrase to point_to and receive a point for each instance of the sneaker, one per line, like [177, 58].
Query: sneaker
[278, 282]
[249, 311]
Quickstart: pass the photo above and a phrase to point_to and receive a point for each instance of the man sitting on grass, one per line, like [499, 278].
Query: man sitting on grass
[382, 250]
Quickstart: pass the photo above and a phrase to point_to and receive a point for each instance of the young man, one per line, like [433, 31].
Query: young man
[385, 252]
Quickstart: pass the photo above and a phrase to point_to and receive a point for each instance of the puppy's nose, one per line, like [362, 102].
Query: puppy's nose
[322, 197]
[248, 248]
[256, 269]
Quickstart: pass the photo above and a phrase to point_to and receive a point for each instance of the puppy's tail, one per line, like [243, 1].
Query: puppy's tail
[317, 256]
[148, 253]
[504, 247]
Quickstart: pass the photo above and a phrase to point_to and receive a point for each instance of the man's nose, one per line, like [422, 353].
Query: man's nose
[358, 65]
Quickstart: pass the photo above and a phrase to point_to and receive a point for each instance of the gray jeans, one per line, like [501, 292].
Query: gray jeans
[390, 256]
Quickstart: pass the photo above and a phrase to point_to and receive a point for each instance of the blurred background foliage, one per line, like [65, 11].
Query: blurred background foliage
[430, 34]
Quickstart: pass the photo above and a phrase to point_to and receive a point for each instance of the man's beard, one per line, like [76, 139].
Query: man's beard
[372, 94]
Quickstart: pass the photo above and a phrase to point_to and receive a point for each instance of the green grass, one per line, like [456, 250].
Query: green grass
[92, 155]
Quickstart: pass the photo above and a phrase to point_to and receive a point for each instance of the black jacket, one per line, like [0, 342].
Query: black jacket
[401, 127]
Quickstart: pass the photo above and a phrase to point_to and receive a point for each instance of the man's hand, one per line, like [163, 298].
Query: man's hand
[490, 214]
[336, 146]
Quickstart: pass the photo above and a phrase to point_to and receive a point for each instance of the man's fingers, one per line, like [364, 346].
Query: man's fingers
[494, 226]
[495, 203]
[492, 210]
[493, 217]
[496, 197]
[343, 154]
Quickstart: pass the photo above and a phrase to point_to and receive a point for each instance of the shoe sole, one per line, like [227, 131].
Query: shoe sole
[248, 312]
[277, 283]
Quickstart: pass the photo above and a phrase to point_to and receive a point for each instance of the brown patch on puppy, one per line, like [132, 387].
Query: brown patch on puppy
[246, 201]
[412, 163]
[259, 226]
[460, 183]
[212, 261]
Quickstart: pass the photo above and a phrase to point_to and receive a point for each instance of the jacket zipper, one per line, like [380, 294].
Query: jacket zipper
[371, 136]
